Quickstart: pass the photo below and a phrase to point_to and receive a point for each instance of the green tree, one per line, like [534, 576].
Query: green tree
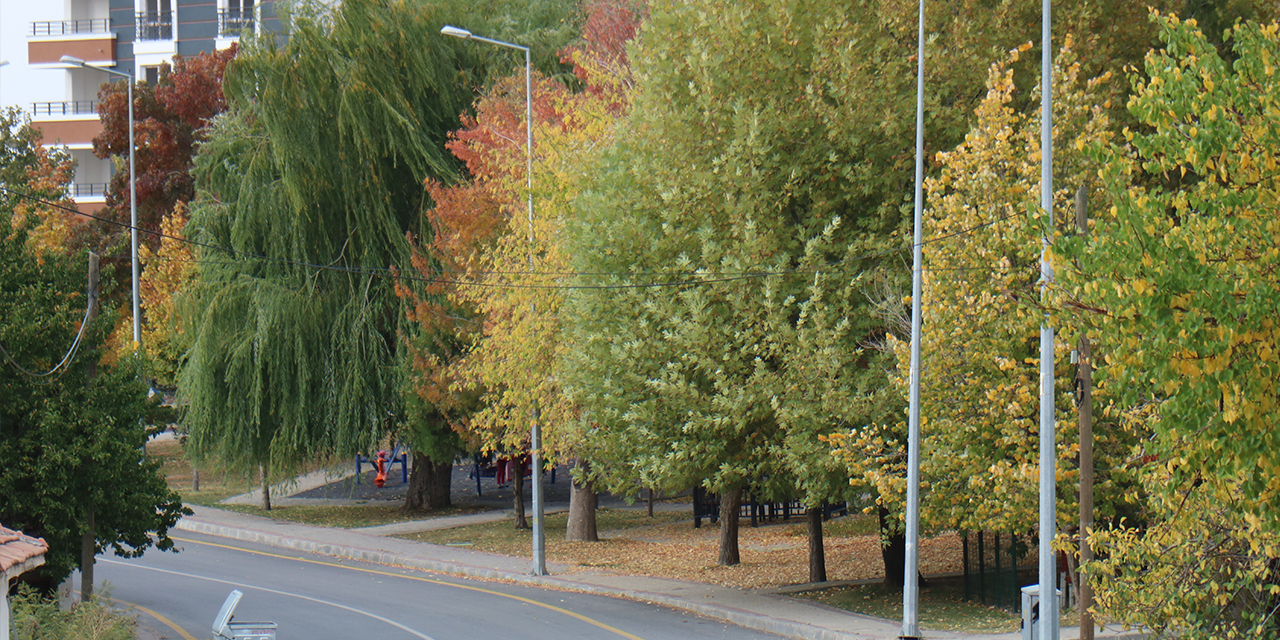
[720, 334]
[71, 442]
[1180, 284]
[313, 179]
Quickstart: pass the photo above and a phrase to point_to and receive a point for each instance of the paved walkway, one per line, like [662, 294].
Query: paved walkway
[766, 611]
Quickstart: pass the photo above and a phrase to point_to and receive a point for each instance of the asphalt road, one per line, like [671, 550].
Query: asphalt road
[314, 597]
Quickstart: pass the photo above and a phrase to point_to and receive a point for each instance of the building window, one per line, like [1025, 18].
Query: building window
[155, 20]
[236, 17]
[151, 75]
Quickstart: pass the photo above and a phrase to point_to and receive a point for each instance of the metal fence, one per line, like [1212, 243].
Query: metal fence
[996, 565]
[155, 26]
[87, 190]
[64, 108]
[231, 22]
[70, 27]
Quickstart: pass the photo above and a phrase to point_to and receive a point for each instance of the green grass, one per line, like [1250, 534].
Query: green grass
[942, 606]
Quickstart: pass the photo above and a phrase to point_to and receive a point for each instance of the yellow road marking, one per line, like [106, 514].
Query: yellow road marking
[491, 592]
[167, 622]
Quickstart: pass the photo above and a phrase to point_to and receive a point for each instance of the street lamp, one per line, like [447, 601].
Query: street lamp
[133, 192]
[539, 536]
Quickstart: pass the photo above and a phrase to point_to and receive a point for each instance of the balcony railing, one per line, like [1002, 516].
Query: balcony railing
[67, 108]
[87, 190]
[155, 26]
[70, 27]
[231, 22]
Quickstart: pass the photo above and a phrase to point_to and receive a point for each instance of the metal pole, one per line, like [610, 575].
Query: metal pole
[133, 224]
[911, 571]
[539, 532]
[539, 537]
[1048, 497]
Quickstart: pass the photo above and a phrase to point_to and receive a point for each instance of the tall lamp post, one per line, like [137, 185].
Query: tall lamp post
[133, 192]
[539, 536]
[1048, 496]
[911, 572]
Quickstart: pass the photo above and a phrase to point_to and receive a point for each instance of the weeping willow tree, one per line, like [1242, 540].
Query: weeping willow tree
[309, 187]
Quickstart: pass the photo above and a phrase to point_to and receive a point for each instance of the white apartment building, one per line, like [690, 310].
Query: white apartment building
[131, 36]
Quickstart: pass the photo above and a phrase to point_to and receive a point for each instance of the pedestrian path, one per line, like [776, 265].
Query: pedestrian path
[765, 611]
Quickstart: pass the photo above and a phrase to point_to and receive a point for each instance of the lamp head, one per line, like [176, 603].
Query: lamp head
[72, 60]
[455, 32]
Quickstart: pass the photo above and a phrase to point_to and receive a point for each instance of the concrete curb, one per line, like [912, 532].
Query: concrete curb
[741, 618]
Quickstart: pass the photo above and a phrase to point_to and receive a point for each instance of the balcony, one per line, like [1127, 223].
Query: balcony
[73, 123]
[90, 40]
[89, 197]
[233, 22]
[155, 26]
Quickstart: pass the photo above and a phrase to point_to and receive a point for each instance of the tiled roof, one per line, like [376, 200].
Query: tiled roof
[19, 552]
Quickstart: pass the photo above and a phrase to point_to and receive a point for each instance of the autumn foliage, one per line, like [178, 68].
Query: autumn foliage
[168, 120]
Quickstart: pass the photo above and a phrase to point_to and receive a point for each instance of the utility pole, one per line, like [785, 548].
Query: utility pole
[89, 538]
[1085, 375]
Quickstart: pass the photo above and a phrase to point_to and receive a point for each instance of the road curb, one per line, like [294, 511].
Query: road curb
[741, 618]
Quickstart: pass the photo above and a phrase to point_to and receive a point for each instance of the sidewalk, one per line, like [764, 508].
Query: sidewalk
[771, 612]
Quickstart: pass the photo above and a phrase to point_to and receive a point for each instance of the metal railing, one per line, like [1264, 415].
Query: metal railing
[70, 27]
[66, 108]
[87, 190]
[154, 26]
[231, 22]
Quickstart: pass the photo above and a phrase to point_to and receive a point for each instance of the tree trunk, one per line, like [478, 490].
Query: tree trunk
[88, 549]
[582, 508]
[817, 554]
[195, 478]
[429, 484]
[517, 491]
[893, 550]
[266, 489]
[730, 502]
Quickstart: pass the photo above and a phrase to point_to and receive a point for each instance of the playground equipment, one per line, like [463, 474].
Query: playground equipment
[384, 467]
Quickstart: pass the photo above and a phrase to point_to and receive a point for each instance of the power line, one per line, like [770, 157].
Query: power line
[66, 359]
[684, 278]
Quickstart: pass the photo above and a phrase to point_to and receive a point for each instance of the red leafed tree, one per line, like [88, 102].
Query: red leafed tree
[168, 119]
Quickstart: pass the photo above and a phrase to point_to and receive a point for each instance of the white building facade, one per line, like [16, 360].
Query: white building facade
[132, 36]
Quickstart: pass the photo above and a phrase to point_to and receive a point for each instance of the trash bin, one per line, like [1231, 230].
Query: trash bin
[223, 627]
[1031, 611]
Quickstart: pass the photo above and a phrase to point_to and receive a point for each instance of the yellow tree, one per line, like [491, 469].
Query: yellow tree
[982, 312]
[170, 268]
[506, 269]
